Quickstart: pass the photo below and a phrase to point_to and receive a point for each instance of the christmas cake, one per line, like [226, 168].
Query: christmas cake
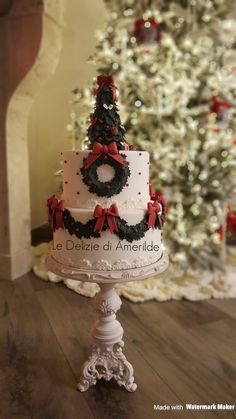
[107, 218]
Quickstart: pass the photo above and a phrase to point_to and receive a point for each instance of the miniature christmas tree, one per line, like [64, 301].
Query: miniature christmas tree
[105, 125]
[106, 136]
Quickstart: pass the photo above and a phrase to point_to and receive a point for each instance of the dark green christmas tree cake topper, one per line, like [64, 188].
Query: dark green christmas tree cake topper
[106, 136]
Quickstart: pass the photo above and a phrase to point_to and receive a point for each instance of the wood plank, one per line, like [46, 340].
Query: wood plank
[36, 380]
[107, 399]
[182, 352]
[177, 357]
[192, 313]
[226, 306]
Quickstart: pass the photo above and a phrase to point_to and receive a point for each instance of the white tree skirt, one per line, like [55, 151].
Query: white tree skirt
[196, 285]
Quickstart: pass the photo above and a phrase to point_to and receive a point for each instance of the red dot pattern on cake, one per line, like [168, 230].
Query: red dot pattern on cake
[77, 153]
[78, 193]
[139, 193]
[66, 182]
[65, 161]
[140, 154]
[139, 173]
[77, 173]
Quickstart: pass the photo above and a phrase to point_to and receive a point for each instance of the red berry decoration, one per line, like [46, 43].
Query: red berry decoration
[147, 31]
[114, 131]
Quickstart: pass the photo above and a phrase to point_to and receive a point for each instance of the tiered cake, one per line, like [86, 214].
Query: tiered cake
[106, 219]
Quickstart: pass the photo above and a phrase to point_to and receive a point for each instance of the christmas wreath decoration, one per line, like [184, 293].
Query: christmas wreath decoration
[108, 218]
[100, 155]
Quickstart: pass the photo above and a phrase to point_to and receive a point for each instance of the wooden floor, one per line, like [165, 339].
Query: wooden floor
[182, 352]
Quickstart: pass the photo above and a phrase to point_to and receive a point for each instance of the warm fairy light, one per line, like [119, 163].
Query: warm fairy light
[165, 99]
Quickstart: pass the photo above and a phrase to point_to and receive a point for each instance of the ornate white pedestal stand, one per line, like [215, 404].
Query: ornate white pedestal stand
[106, 359]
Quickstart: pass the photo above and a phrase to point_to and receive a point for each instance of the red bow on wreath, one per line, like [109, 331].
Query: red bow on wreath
[55, 210]
[106, 214]
[158, 196]
[98, 149]
[153, 214]
[102, 80]
[216, 104]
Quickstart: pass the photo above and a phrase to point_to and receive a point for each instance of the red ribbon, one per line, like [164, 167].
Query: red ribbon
[107, 214]
[158, 196]
[153, 214]
[216, 104]
[98, 149]
[55, 210]
[106, 80]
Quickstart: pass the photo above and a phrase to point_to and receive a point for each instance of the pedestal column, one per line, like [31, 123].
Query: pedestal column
[106, 359]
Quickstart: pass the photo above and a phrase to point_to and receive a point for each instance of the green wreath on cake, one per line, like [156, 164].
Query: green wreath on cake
[108, 218]
[100, 155]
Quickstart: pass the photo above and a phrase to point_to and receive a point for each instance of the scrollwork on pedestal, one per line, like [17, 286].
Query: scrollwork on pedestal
[107, 363]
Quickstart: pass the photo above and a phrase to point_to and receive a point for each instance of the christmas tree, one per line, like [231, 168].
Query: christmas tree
[177, 102]
[106, 137]
[105, 121]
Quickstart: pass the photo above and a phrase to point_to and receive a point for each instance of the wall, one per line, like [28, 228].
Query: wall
[50, 112]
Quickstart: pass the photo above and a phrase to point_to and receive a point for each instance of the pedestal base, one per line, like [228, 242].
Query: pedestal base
[107, 363]
[106, 359]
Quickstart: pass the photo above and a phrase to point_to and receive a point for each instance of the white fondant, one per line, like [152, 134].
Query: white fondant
[106, 202]
[107, 252]
[76, 194]
[105, 173]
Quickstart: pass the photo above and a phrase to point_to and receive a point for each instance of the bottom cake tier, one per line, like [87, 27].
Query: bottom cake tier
[107, 252]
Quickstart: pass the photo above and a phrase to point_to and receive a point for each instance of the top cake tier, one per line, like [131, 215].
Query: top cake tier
[134, 194]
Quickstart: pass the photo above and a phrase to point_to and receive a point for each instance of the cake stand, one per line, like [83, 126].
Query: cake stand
[106, 359]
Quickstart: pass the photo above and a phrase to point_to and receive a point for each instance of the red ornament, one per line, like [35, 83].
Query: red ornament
[220, 231]
[216, 104]
[231, 220]
[221, 109]
[147, 31]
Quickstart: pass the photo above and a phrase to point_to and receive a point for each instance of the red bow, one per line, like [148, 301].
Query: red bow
[158, 196]
[107, 214]
[98, 149]
[216, 104]
[106, 80]
[153, 214]
[55, 210]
